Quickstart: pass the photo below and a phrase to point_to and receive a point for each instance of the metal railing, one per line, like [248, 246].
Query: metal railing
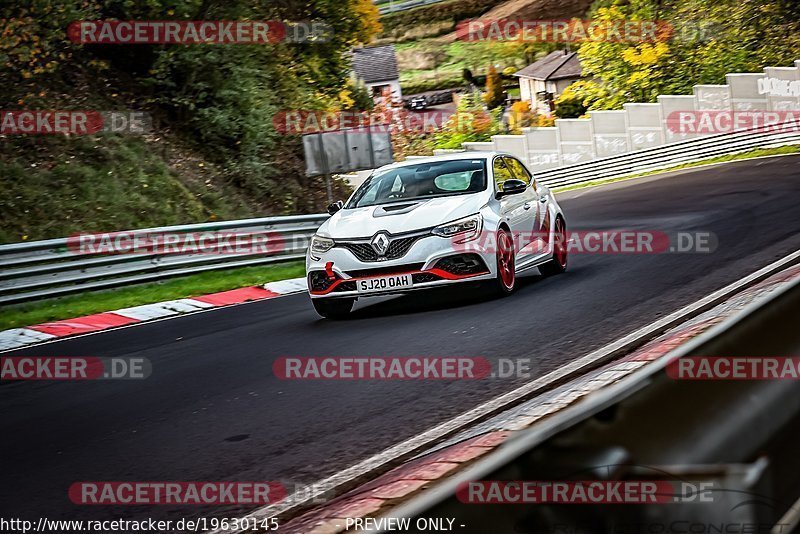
[669, 155]
[393, 7]
[54, 267]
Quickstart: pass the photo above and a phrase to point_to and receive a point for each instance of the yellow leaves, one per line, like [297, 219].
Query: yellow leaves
[521, 116]
[368, 15]
[521, 106]
[608, 13]
[640, 78]
[545, 122]
[645, 54]
[345, 99]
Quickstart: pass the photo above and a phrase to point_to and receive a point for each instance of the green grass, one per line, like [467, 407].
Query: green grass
[425, 60]
[755, 153]
[61, 186]
[67, 307]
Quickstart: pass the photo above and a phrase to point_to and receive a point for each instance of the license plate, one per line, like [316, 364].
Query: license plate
[384, 283]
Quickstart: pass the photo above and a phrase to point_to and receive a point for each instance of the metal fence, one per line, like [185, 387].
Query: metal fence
[53, 267]
[393, 7]
[668, 155]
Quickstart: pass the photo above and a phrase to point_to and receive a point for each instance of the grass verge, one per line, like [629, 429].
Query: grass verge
[67, 307]
[755, 153]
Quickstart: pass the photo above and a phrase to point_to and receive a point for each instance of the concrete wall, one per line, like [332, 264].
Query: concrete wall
[516, 145]
[780, 85]
[671, 108]
[577, 140]
[610, 130]
[639, 126]
[544, 148]
[745, 95]
[645, 125]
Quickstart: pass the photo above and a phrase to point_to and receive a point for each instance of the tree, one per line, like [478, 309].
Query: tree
[470, 122]
[494, 96]
[698, 42]
[521, 116]
[569, 105]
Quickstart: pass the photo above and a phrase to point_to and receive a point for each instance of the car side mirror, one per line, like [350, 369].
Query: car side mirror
[335, 206]
[511, 187]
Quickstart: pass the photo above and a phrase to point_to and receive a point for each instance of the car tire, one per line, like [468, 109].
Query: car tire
[333, 308]
[559, 262]
[506, 281]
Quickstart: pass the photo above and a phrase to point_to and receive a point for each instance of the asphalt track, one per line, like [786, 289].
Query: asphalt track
[212, 409]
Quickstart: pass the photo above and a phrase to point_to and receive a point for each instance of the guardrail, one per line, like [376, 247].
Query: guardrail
[394, 7]
[669, 155]
[53, 267]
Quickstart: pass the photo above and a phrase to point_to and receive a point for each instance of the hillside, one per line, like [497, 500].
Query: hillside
[212, 152]
[431, 57]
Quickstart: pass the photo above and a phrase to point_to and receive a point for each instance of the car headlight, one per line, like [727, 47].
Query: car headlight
[321, 244]
[465, 229]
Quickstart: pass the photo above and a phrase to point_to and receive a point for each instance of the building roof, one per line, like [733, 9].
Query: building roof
[375, 63]
[554, 66]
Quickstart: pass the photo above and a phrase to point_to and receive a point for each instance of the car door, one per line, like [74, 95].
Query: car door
[532, 214]
[512, 207]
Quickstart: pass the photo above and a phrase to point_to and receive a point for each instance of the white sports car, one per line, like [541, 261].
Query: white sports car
[433, 222]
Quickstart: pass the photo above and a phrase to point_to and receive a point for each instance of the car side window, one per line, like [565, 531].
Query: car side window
[501, 173]
[520, 171]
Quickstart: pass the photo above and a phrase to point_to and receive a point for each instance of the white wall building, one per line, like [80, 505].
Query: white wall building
[376, 66]
[543, 81]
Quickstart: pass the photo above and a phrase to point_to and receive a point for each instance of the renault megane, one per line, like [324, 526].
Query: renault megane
[422, 223]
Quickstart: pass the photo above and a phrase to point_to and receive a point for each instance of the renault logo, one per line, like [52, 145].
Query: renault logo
[380, 244]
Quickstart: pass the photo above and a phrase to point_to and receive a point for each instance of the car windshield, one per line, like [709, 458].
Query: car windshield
[424, 180]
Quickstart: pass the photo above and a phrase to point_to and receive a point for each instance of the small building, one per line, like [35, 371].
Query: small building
[543, 81]
[376, 66]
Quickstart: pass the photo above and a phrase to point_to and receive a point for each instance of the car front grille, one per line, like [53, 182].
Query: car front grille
[381, 271]
[398, 247]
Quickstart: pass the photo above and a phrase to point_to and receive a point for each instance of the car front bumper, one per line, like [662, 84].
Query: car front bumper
[431, 260]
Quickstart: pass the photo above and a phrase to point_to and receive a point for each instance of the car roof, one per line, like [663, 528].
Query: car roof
[474, 154]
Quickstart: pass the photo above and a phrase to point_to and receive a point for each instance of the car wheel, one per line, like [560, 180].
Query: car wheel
[333, 308]
[506, 269]
[559, 262]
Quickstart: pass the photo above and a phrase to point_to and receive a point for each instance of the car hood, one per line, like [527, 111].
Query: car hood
[401, 217]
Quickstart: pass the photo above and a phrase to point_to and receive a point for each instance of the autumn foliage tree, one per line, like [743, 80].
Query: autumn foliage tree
[494, 96]
[217, 102]
[698, 42]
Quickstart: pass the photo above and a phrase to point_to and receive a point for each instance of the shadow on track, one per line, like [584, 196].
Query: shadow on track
[436, 299]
